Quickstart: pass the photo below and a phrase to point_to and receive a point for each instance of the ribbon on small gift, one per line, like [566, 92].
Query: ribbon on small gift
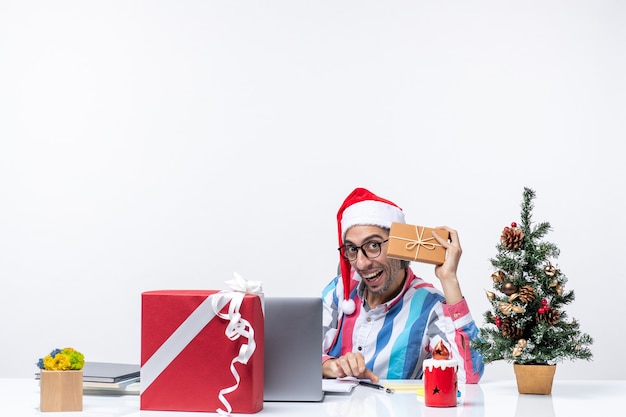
[196, 321]
[237, 327]
[418, 243]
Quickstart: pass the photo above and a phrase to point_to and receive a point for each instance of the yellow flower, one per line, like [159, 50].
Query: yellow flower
[60, 362]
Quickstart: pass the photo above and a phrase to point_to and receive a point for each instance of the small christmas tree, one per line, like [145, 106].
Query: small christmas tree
[527, 323]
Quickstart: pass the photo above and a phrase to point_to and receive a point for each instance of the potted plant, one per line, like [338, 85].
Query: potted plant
[61, 380]
[527, 325]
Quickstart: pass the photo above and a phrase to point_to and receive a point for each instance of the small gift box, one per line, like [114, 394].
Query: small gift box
[416, 243]
[202, 350]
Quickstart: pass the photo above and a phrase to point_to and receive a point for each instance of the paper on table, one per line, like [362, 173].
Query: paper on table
[339, 385]
[398, 385]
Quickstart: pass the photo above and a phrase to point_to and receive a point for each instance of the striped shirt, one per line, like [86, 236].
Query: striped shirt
[397, 336]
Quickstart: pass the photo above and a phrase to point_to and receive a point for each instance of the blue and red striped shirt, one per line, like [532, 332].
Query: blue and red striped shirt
[397, 336]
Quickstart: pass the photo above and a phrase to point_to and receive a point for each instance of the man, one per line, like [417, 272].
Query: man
[382, 321]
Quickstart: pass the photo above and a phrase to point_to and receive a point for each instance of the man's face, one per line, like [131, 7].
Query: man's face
[382, 275]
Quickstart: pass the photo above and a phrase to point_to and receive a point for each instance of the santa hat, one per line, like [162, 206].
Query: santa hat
[362, 207]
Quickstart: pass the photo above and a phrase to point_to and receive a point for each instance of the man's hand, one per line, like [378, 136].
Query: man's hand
[350, 364]
[447, 272]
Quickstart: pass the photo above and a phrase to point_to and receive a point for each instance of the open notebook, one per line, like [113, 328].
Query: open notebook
[293, 349]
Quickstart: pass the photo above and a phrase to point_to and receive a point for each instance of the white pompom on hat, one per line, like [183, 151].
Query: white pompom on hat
[362, 207]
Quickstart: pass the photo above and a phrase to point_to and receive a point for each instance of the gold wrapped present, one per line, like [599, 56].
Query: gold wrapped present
[416, 243]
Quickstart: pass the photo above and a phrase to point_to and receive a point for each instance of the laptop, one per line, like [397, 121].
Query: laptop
[110, 372]
[293, 349]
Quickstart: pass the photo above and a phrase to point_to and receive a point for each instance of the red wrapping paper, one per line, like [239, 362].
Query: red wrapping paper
[192, 379]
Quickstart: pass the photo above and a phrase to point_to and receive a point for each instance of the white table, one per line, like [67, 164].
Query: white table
[20, 397]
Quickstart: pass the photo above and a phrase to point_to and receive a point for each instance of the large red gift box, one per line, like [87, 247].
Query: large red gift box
[188, 363]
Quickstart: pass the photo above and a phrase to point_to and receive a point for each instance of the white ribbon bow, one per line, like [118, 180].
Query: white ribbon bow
[237, 327]
[243, 285]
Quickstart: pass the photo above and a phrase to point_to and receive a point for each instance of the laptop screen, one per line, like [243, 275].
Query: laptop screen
[293, 349]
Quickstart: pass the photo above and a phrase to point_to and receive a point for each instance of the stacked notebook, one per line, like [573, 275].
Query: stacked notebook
[110, 377]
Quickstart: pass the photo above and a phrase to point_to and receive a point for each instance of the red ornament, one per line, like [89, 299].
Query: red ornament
[441, 352]
[513, 224]
[544, 302]
[498, 322]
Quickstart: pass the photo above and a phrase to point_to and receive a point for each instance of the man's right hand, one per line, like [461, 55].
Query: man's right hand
[350, 364]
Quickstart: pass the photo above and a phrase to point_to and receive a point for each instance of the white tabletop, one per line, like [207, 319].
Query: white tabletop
[20, 397]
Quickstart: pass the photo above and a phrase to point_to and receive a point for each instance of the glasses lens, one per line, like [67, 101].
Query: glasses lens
[371, 249]
[350, 252]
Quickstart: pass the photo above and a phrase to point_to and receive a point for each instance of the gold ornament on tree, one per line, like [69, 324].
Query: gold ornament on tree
[498, 277]
[549, 270]
[508, 288]
[517, 350]
[507, 308]
[558, 288]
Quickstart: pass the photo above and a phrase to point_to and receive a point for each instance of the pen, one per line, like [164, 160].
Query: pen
[376, 386]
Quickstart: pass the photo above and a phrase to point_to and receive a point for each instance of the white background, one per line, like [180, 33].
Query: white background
[167, 144]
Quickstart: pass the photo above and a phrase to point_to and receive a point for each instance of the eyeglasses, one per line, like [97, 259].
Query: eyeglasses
[370, 249]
